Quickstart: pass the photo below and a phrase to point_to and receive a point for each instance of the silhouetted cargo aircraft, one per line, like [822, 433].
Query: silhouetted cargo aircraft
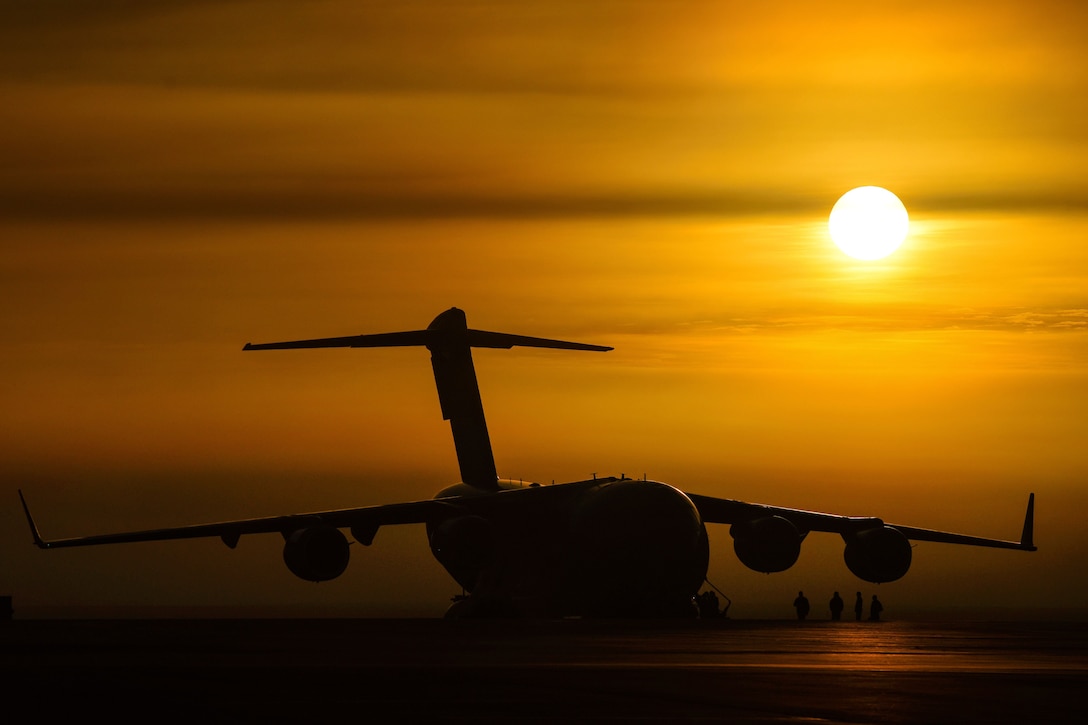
[601, 547]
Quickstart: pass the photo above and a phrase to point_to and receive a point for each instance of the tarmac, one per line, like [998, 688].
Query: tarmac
[305, 670]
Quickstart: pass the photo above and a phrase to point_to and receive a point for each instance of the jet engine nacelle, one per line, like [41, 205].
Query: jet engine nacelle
[316, 554]
[768, 544]
[878, 555]
[463, 544]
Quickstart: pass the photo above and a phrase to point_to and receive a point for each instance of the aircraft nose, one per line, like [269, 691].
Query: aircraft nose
[636, 547]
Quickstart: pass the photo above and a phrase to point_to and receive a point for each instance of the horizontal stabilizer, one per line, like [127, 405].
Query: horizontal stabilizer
[439, 335]
[482, 338]
[414, 338]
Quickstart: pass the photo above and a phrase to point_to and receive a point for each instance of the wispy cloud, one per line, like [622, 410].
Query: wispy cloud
[431, 109]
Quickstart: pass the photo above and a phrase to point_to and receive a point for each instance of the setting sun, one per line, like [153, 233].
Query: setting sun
[868, 223]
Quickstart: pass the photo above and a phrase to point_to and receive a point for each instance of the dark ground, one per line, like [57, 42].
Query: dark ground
[437, 671]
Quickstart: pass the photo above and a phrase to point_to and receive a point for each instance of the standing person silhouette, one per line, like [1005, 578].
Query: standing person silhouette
[836, 605]
[875, 608]
[859, 607]
[801, 605]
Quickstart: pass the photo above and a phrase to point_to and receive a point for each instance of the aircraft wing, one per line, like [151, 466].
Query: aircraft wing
[727, 511]
[363, 522]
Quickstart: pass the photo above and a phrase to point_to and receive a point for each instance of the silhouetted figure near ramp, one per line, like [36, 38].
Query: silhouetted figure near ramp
[801, 605]
[836, 605]
[875, 608]
[859, 607]
[708, 605]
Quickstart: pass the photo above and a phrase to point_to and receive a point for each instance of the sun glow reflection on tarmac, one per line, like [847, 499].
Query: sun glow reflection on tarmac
[847, 646]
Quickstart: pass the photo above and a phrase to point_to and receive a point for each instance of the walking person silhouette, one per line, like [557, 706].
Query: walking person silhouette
[836, 605]
[875, 608]
[801, 605]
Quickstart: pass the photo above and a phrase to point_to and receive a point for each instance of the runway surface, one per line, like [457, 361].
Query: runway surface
[571, 671]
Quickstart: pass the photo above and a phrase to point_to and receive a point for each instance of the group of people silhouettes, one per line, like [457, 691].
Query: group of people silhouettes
[837, 605]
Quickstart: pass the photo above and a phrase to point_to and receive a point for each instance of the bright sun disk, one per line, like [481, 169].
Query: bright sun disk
[868, 223]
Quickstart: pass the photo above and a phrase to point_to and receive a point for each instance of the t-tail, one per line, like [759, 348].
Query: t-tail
[450, 341]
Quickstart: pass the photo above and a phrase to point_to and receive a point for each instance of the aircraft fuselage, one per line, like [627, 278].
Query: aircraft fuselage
[603, 547]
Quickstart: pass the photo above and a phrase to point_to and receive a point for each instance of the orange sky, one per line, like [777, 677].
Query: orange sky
[180, 178]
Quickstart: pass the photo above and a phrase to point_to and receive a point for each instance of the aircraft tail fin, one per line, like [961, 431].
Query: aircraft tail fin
[450, 341]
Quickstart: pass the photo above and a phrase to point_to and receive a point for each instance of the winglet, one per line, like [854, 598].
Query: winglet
[1027, 538]
[41, 544]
